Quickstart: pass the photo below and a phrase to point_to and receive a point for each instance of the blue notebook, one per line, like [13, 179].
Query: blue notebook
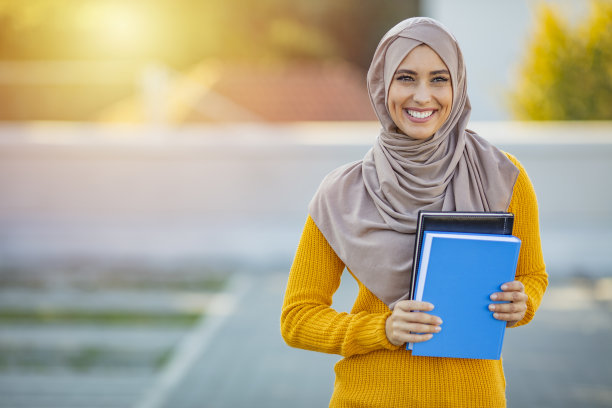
[457, 273]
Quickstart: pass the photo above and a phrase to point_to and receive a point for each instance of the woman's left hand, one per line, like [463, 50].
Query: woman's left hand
[514, 310]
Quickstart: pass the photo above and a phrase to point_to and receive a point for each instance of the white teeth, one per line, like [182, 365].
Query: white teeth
[420, 115]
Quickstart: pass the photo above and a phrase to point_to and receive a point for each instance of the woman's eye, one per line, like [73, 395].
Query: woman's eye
[440, 79]
[404, 78]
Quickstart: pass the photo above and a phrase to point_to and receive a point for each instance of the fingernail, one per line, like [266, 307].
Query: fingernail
[491, 307]
[504, 287]
[494, 296]
[496, 315]
[438, 328]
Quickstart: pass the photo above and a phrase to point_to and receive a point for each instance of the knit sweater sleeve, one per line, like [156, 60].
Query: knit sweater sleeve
[530, 270]
[308, 321]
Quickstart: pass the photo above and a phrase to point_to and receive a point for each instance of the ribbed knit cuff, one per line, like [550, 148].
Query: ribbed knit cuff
[368, 334]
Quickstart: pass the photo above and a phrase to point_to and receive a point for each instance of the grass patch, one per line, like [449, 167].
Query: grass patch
[126, 276]
[98, 318]
[205, 284]
[162, 359]
[191, 284]
[84, 359]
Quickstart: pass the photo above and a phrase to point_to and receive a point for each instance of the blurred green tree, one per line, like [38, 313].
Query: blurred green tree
[567, 70]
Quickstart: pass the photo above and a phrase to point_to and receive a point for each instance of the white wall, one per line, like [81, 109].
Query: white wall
[242, 192]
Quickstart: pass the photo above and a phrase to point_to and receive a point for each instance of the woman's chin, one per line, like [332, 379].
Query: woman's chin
[420, 133]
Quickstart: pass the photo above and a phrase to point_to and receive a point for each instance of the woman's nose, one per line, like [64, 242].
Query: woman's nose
[422, 94]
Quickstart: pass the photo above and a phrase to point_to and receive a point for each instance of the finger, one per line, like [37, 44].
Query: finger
[424, 328]
[417, 317]
[517, 307]
[509, 297]
[415, 328]
[509, 317]
[513, 286]
[410, 305]
[414, 337]
[400, 332]
[418, 338]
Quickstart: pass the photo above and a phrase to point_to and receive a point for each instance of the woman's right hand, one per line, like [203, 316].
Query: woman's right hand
[409, 323]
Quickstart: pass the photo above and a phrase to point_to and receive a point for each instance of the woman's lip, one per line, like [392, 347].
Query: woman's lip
[419, 120]
[421, 109]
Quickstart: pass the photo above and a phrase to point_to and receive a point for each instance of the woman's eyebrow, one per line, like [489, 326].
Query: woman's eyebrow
[411, 72]
[406, 71]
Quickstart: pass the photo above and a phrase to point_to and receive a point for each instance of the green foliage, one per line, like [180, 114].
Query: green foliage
[567, 72]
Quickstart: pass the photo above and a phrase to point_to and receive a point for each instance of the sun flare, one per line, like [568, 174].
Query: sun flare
[119, 24]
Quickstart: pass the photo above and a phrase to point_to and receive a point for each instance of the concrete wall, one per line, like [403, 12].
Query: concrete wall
[241, 192]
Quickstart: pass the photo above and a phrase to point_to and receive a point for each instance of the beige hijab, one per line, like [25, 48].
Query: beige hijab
[367, 209]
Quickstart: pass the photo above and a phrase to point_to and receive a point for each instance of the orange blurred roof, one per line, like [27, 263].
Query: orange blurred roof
[299, 92]
[219, 92]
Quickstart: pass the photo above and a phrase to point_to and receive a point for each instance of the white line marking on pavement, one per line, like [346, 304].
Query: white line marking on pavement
[194, 344]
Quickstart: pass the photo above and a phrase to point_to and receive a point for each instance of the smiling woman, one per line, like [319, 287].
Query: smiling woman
[363, 219]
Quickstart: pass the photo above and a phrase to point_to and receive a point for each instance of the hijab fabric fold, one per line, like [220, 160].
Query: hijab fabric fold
[367, 210]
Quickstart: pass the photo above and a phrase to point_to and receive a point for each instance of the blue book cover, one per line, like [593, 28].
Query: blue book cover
[457, 273]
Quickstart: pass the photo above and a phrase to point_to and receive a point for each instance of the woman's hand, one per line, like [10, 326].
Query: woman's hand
[408, 323]
[513, 311]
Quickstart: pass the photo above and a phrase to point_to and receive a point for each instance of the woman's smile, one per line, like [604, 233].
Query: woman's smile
[419, 115]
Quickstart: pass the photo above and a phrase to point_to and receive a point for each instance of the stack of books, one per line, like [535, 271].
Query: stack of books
[460, 259]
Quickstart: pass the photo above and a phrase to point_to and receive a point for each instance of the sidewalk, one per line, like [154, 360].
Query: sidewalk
[561, 360]
[247, 363]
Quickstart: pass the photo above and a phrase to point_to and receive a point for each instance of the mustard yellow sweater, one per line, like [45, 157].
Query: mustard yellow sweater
[375, 373]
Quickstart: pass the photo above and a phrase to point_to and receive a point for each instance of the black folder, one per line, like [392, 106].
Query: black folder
[457, 221]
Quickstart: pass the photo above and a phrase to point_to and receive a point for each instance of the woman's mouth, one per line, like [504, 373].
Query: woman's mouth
[419, 116]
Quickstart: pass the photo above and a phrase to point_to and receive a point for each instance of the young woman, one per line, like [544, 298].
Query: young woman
[363, 217]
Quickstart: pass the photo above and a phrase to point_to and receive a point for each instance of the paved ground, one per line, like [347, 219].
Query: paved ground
[235, 356]
[98, 362]
[561, 360]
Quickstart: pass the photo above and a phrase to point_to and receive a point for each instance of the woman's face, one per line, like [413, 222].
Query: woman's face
[421, 95]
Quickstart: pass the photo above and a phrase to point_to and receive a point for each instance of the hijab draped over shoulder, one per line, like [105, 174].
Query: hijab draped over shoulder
[367, 210]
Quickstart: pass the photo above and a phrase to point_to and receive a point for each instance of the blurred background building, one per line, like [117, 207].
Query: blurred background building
[157, 159]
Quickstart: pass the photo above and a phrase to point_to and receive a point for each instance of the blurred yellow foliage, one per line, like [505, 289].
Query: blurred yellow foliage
[567, 72]
[25, 14]
[294, 38]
